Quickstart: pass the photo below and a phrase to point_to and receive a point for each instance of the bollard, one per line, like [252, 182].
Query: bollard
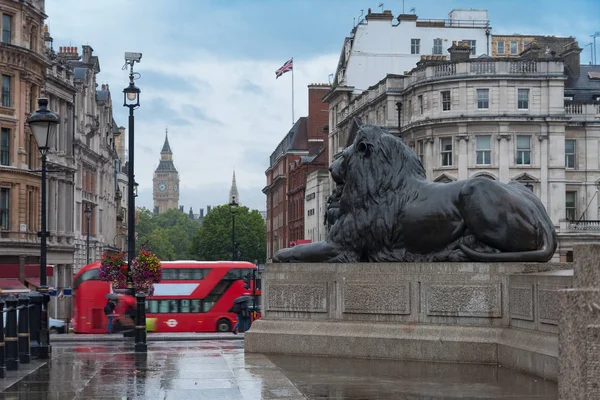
[35, 319]
[2, 355]
[45, 349]
[140, 324]
[12, 348]
[23, 334]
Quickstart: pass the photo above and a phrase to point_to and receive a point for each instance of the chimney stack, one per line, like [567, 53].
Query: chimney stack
[459, 51]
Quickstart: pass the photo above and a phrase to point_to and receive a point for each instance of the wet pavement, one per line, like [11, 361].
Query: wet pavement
[219, 369]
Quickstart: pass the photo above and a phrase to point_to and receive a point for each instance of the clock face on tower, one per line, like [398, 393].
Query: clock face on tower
[162, 186]
[176, 187]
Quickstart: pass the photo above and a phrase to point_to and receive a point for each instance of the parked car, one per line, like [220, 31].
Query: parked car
[54, 325]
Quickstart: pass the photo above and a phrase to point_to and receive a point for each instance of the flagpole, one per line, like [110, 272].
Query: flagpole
[293, 120]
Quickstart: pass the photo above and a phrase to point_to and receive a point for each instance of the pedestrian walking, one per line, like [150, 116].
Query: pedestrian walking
[243, 317]
[109, 311]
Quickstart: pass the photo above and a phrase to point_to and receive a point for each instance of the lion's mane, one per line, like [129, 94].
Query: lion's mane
[375, 170]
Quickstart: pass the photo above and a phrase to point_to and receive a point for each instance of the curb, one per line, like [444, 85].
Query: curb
[150, 338]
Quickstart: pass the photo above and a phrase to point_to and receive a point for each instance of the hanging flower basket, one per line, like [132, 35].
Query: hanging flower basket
[146, 271]
[113, 269]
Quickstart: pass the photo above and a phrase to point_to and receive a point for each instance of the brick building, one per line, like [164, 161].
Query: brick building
[302, 151]
[317, 159]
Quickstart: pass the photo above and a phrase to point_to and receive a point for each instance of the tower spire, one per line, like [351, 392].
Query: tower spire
[233, 192]
[166, 147]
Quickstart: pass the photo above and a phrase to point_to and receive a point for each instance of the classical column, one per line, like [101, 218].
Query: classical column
[429, 155]
[543, 154]
[462, 140]
[505, 154]
[556, 171]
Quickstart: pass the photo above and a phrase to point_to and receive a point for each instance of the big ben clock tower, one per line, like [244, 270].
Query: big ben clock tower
[166, 180]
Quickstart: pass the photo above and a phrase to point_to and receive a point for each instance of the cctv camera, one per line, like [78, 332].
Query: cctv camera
[133, 57]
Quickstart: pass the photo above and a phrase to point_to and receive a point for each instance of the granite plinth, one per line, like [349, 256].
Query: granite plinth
[436, 312]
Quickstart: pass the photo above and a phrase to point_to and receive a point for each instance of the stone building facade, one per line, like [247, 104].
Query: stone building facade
[95, 142]
[23, 66]
[315, 204]
[503, 119]
[166, 181]
[60, 91]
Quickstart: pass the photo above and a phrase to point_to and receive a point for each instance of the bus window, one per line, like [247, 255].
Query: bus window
[163, 306]
[152, 306]
[236, 273]
[196, 306]
[169, 274]
[200, 273]
[207, 305]
[184, 306]
[186, 274]
[91, 275]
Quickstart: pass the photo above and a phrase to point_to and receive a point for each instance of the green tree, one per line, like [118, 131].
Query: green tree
[213, 241]
[169, 235]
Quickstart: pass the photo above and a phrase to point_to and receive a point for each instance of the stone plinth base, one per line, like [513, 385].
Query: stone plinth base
[527, 351]
[496, 313]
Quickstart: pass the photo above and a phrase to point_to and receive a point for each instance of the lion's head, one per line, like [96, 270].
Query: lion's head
[372, 173]
[374, 164]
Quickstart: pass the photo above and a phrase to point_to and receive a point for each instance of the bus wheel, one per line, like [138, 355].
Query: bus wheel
[223, 325]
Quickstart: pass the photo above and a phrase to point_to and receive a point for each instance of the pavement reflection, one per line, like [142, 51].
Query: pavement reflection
[219, 369]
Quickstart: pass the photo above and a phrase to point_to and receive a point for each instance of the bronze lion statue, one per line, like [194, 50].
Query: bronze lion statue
[389, 211]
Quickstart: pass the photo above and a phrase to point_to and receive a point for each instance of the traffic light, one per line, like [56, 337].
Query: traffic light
[248, 284]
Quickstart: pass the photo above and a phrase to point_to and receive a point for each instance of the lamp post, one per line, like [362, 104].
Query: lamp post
[131, 99]
[233, 208]
[43, 125]
[88, 215]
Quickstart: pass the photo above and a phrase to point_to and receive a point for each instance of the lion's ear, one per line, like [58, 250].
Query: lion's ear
[363, 147]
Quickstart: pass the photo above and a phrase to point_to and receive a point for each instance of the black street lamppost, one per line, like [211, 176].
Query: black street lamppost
[88, 215]
[131, 99]
[233, 208]
[43, 125]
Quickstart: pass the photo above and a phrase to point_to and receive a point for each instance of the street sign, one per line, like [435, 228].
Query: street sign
[67, 292]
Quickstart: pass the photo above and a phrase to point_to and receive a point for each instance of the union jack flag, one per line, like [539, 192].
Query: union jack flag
[285, 68]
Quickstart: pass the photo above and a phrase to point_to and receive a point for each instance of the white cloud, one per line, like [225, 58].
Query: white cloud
[238, 112]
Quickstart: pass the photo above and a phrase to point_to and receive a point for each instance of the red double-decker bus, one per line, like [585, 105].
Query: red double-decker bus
[193, 296]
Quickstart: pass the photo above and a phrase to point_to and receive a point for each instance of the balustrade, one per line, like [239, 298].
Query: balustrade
[585, 225]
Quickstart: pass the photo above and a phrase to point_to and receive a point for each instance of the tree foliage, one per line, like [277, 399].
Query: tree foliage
[213, 241]
[169, 235]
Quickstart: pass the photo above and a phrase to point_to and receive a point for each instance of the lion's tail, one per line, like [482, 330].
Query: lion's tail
[542, 255]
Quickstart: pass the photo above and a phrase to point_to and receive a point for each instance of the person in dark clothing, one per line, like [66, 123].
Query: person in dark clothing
[109, 311]
[243, 320]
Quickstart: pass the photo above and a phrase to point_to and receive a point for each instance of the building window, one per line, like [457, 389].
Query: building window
[6, 29]
[6, 81]
[570, 154]
[523, 150]
[483, 99]
[415, 46]
[473, 46]
[437, 46]
[4, 196]
[500, 47]
[446, 101]
[311, 212]
[420, 150]
[5, 146]
[446, 151]
[484, 150]
[571, 205]
[523, 99]
[514, 47]
[420, 104]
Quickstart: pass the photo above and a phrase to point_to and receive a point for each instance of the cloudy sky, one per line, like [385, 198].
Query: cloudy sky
[208, 66]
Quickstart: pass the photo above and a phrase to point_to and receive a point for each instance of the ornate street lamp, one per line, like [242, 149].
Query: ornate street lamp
[131, 99]
[43, 125]
[233, 209]
[88, 215]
